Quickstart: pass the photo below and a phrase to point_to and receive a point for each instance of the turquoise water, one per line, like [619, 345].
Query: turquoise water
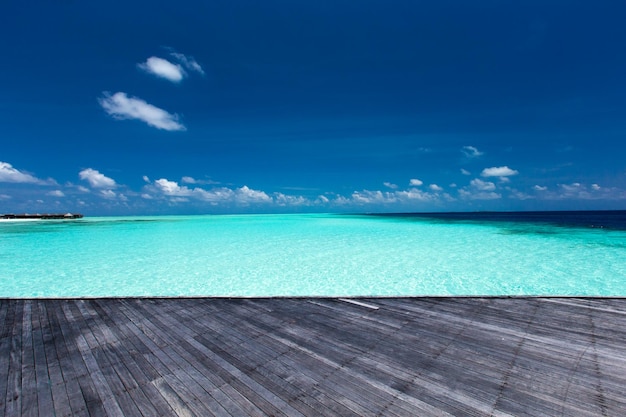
[307, 255]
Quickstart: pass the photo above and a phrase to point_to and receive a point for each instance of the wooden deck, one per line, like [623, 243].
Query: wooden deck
[313, 357]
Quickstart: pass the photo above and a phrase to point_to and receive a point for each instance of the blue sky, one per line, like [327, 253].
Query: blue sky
[111, 107]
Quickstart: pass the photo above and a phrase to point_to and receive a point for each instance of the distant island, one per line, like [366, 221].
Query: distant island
[48, 216]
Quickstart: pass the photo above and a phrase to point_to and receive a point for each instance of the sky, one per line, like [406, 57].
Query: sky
[188, 107]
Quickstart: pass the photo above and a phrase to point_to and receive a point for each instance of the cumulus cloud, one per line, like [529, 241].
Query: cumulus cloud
[410, 196]
[146, 179]
[435, 187]
[571, 187]
[172, 188]
[163, 68]
[415, 182]
[96, 179]
[244, 195]
[415, 194]
[370, 197]
[284, 200]
[55, 193]
[520, 195]
[390, 185]
[580, 191]
[122, 107]
[504, 171]
[471, 152]
[192, 180]
[248, 195]
[465, 172]
[479, 190]
[108, 194]
[480, 195]
[482, 185]
[10, 174]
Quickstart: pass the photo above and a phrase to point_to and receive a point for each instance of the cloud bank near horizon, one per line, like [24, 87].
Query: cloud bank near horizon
[104, 191]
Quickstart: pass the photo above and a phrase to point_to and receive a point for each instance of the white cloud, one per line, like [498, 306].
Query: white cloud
[163, 68]
[121, 107]
[172, 188]
[520, 195]
[370, 197]
[10, 174]
[539, 188]
[504, 171]
[189, 62]
[248, 195]
[415, 194]
[580, 191]
[465, 172]
[390, 185]
[5, 197]
[216, 195]
[96, 179]
[482, 185]
[576, 186]
[290, 200]
[55, 193]
[146, 179]
[192, 180]
[243, 195]
[340, 200]
[435, 187]
[390, 197]
[108, 194]
[415, 182]
[471, 152]
[481, 195]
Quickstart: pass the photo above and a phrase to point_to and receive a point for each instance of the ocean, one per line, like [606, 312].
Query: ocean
[343, 255]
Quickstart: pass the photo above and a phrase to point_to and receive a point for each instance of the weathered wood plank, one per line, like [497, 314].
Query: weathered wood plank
[7, 315]
[96, 391]
[237, 377]
[29, 380]
[13, 401]
[41, 362]
[395, 357]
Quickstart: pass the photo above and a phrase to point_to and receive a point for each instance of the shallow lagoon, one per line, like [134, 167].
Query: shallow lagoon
[315, 255]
